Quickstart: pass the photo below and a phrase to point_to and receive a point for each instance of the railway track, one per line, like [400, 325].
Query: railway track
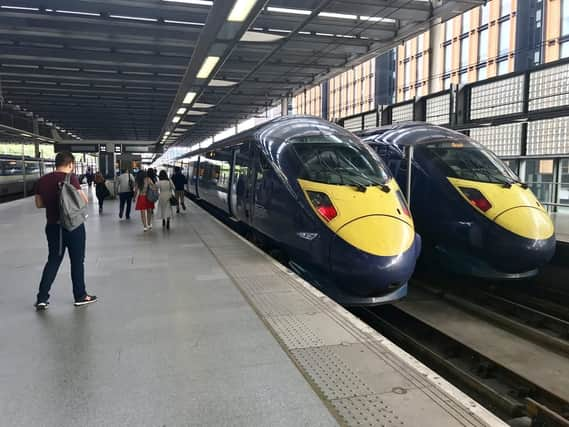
[493, 363]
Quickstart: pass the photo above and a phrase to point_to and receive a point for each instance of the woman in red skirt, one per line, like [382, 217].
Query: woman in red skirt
[145, 206]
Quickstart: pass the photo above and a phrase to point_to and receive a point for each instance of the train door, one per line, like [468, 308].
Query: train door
[241, 194]
[262, 193]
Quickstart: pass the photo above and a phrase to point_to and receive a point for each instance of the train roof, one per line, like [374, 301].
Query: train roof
[411, 133]
[272, 134]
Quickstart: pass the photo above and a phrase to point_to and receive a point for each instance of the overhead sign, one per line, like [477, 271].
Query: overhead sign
[76, 148]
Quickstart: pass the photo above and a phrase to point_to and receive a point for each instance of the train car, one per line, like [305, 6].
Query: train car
[15, 173]
[473, 213]
[321, 195]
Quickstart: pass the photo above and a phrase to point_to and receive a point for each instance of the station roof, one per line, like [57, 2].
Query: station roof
[122, 69]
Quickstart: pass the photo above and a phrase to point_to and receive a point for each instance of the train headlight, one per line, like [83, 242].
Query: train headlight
[476, 198]
[322, 204]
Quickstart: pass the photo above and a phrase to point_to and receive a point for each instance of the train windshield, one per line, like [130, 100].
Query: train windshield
[331, 159]
[469, 161]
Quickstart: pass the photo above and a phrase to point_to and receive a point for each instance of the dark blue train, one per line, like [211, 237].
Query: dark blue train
[320, 194]
[474, 215]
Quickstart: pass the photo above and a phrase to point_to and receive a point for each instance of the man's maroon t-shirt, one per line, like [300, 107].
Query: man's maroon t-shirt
[48, 188]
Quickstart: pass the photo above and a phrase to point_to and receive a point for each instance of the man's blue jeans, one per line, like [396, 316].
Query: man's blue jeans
[74, 241]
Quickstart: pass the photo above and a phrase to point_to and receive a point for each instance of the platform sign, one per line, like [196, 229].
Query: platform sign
[76, 148]
[118, 149]
[102, 148]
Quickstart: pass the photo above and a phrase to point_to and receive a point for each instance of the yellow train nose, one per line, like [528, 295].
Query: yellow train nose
[381, 235]
[529, 222]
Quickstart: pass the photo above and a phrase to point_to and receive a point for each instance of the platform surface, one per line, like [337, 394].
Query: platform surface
[194, 327]
[561, 221]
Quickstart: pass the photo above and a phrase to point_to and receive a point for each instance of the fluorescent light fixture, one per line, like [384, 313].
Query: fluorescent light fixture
[73, 12]
[133, 18]
[166, 133]
[26, 135]
[172, 21]
[181, 111]
[196, 113]
[241, 10]
[337, 15]
[288, 10]
[198, 2]
[221, 83]
[187, 123]
[256, 36]
[203, 105]
[376, 19]
[176, 119]
[325, 34]
[35, 9]
[189, 97]
[207, 67]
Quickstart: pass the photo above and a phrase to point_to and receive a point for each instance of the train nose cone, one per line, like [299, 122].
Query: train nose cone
[531, 223]
[531, 243]
[380, 235]
[374, 255]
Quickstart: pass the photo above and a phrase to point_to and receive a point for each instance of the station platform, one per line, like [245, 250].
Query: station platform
[195, 326]
[561, 221]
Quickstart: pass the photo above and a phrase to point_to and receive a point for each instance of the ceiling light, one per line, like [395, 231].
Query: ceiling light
[172, 21]
[181, 111]
[198, 2]
[73, 12]
[133, 18]
[196, 113]
[189, 98]
[166, 133]
[288, 10]
[203, 105]
[35, 9]
[256, 36]
[207, 67]
[337, 15]
[187, 123]
[176, 119]
[221, 83]
[241, 10]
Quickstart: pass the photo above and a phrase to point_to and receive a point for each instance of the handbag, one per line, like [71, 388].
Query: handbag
[152, 194]
[173, 201]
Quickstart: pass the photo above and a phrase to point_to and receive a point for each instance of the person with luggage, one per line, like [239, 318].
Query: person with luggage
[60, 194]
[101, 190]
[180, 182]
[126, 192]
[146, 196]
[166, 189]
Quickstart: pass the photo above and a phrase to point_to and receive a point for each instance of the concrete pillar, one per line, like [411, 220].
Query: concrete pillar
[36, 130]
[436, 58]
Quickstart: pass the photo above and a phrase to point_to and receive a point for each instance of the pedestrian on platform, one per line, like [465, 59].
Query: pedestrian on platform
[180, 182]
[89, 176]
[47, 197]
[126, 192]
[143, 204]
[166, 188]
[101, 190]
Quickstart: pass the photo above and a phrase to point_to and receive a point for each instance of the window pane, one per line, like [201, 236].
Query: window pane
[482, 73]
[565, 18]
[484, 14]
[505, 7]
[539, 176]
[419, 69]
[448, 30]
[446, 83]
[448, 58]
[464, 78]
[504, 44]
[407, 73]
[464, 52]
[503, 67]
[564, 53]
[465, 22]
[420, 43]
[483, 45]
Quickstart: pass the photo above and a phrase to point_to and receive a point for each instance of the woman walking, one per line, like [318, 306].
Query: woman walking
[166, 188]
[101, 190]
[143, 204]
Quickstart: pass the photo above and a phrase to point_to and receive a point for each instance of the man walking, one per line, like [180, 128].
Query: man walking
[126, 191]
[58, 238]
[179, 181]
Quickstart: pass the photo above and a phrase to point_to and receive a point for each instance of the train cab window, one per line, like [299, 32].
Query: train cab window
[468, 160]
[332, 160]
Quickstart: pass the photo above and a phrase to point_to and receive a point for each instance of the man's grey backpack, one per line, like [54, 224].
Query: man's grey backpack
[72, 207]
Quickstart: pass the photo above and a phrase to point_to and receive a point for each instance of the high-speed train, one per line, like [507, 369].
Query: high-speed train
[13, 169]
[474, 215]
[320, 194]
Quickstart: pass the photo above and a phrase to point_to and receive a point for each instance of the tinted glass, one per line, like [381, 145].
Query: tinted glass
[465, 160]
[331, 160]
